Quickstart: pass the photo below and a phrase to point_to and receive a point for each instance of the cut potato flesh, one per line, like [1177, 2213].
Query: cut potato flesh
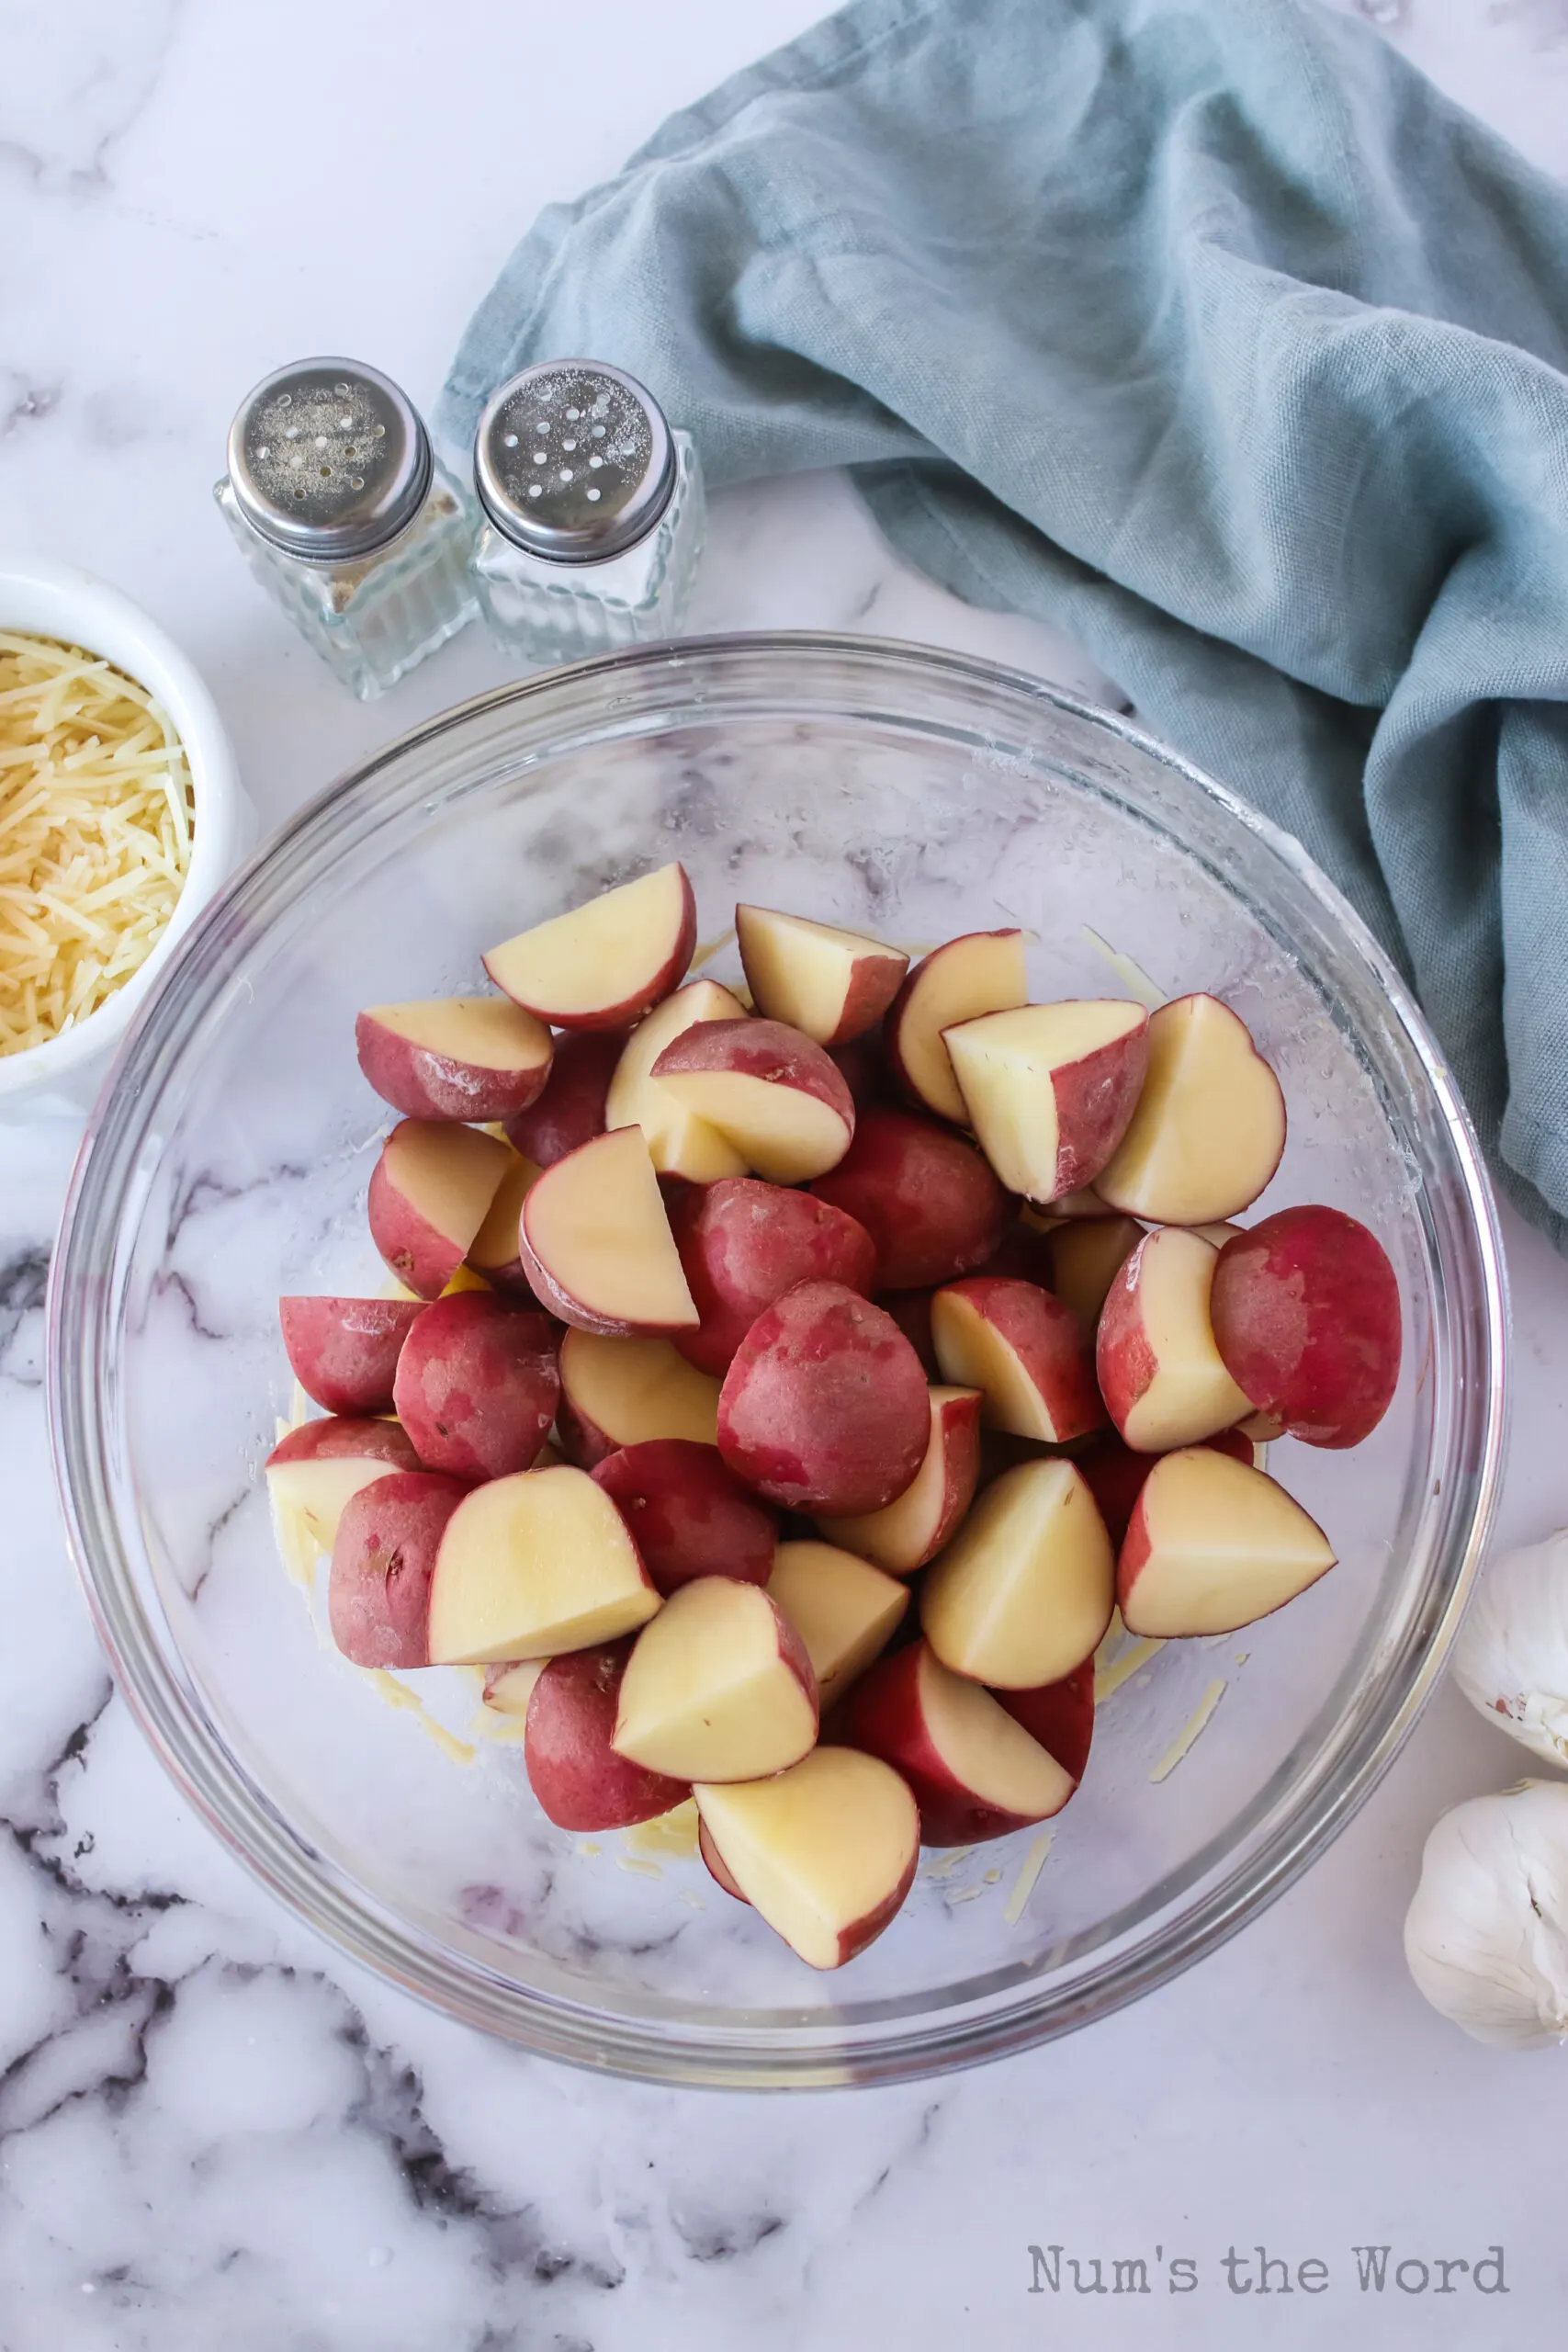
[1156, 1346]
[678, 1142]
[825, 1852]
[1212, 1546]
[829, 984]
[629, 1390]
[596, 1226]
[1210, 1126]
[843, 1608]
[989, 1755]
[781, 1133]
[485, 1031]
[983, 972]
[600, 966]
[509, 1688]
[533, 1563]
[1050, 1088]
[723, 1691]
[495, 1244]
[1024, 1592]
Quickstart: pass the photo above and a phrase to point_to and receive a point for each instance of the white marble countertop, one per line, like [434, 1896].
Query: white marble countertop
[214, 2132]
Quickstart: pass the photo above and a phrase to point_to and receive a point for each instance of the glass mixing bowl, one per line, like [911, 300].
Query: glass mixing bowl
[893, 789]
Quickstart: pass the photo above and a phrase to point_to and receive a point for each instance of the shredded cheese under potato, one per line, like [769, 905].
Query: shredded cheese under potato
[95, 818]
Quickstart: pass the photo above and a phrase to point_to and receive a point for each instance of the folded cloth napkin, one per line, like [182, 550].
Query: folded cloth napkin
[1208, 331]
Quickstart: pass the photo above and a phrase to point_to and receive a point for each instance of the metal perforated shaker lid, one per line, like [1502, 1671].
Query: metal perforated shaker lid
[329, 459]
[573, 461]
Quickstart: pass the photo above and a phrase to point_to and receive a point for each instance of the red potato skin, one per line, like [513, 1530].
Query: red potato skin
[743, 1243]
[926, 1198]
[714, 1861]
[881, 1716]
[571, 1111]
[1095, 1101]
[911, 1310]
[1051, 1344]
[1059, 1715]
[423, 1084]
[340, 1437]
[379, 1587]
[769, 1050]
[579, 1778]
[582, 1442]
[825, 1408]
[1023, 1254]
[1306, 1317]
[476, 1385]
[862, 1064]
[344, 1352]
[688, 1514]
[1115, 1475]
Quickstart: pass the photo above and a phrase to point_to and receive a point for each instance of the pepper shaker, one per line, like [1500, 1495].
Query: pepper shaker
[342, 512]
[593, 513]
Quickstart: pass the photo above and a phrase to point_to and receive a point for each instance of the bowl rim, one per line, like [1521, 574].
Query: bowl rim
[368, 1930]
[40, 598]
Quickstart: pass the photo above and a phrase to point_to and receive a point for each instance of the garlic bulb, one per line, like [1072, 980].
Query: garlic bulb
[1511, 1658]
[1486, 1936]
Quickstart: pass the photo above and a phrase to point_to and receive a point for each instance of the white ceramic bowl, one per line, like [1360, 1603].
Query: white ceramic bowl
[54, 600]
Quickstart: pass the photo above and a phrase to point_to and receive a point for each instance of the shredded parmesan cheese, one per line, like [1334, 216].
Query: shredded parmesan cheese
[94, 834]
[1108, 1679]
[1023, 1885]
[1189, 1733]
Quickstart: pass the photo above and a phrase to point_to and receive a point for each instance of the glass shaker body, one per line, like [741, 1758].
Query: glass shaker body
[593, 515]
[343, 515]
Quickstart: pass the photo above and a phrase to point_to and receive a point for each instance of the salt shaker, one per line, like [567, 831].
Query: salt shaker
[592, 513]
[342, 512]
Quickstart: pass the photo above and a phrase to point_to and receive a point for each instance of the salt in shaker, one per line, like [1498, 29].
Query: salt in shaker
[342, 512]
[593, 513]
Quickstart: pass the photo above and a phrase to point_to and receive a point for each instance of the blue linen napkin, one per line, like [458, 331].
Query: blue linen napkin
[1208, 331]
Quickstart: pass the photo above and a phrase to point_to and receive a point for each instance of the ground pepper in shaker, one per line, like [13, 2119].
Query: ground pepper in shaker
[593, 513]
[342, 512]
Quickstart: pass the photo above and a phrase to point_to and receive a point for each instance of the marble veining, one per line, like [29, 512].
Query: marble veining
[216, 2133]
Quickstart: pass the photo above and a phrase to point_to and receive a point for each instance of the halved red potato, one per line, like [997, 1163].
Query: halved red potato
[476, 1385]
[689, 1513]
[1305, 1314]
[596, 1245]
[1059, 1716]
[926, 1198]
[678, 1142]
[1025, 1351]
[832, 985]
[1023, 1593]
[1161, 1374]
[580, 1780]
[982, 972]
[532, 1565]
[1050, 1088]
[717, 1688]
[317, 1468]
[430, 1192]
[603, 964]
[474, 1057]
[1212, 1546]
[773, 1093]
[844, 1609]
[825, 1408]
[570, 1110]
[383, 1567]
[1114, 1474]
[905, 1533]
[825, 1852]
[1209, 1130]
[743, 1244]
[974, 1771]
[622, 1392]
[344, 1352]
